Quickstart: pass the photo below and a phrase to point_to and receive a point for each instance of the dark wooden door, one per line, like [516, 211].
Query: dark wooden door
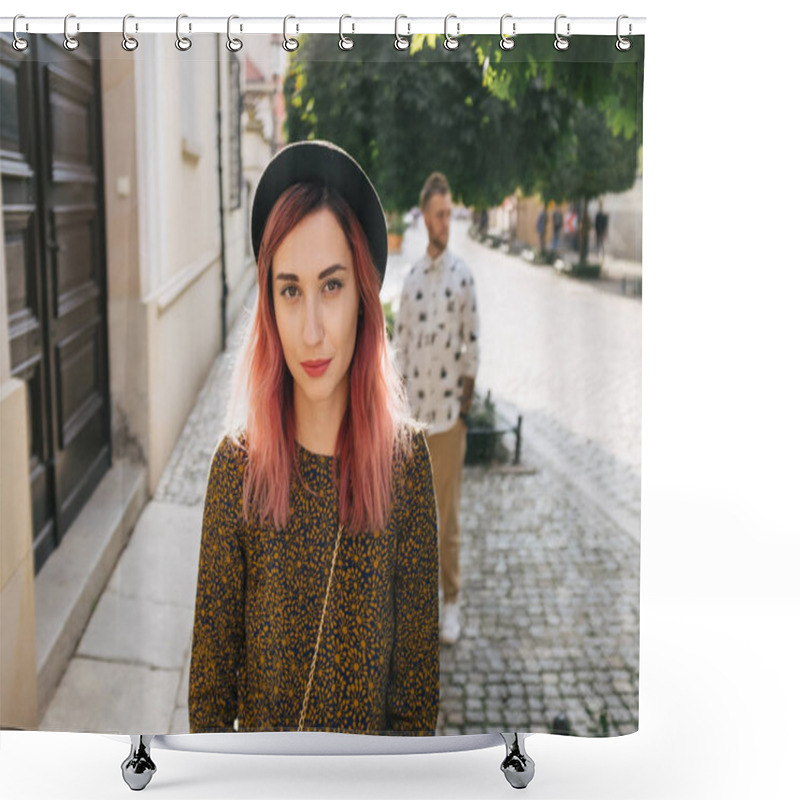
[51, 165]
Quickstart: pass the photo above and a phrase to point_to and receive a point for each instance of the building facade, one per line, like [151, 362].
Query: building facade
[126, 257]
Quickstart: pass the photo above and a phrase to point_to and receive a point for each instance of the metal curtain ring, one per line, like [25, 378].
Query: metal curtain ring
[507, 42]
[622, 43]
[183, 43]
[19, 43]
[400, 42]
[561, 43]
[129, 43]
[70, 42]
[450, 42]
[345, 43]
[289, 45]
[233, 44]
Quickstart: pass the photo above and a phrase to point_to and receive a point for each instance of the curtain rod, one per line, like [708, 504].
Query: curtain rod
[408, 25]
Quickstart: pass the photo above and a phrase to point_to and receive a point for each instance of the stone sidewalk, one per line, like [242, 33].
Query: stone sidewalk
[550, 609]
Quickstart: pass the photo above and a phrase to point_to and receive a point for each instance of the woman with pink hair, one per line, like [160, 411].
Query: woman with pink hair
[317, 591]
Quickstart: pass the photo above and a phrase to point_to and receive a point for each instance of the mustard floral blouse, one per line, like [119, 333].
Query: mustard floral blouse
[260, 593]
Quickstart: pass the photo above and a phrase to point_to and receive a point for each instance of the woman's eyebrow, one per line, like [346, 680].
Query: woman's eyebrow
[288, 276]
[326, 273]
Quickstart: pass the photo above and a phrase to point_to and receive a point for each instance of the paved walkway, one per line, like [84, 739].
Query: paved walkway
[550, 549]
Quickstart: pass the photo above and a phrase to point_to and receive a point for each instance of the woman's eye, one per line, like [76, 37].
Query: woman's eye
[289, 291]
[332, 285]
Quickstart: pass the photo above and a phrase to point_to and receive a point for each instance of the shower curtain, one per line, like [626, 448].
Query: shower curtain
[128, 290]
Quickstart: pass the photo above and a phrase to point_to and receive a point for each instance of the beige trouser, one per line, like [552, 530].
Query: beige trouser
[447, 451]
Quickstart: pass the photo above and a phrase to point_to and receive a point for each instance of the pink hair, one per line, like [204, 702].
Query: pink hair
[376, 424]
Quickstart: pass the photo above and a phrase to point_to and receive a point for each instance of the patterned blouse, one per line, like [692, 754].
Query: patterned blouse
[260, 593]
[436, 337]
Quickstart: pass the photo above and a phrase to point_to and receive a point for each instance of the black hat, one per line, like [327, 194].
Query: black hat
[322, 162]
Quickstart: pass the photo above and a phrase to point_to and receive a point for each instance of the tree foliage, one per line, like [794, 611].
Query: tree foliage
[591, 72]
[591, 160]
[493, 121]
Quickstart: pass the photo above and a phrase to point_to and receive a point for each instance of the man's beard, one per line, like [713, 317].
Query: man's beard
[439, 243]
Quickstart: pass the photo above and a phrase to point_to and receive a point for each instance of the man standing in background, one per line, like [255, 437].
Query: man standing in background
[437, 343]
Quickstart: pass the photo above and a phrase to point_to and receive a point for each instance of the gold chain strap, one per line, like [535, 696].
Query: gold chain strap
[319, 633]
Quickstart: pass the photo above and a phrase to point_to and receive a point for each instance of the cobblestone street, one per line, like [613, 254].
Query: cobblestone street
[550, 610]
[550, 548]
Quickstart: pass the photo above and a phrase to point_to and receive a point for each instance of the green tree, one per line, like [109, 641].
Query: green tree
[597, 150]
[564, 124]
[404, 114]
[592, 71]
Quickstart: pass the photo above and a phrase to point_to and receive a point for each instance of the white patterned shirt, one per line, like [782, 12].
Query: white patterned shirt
[436, 338]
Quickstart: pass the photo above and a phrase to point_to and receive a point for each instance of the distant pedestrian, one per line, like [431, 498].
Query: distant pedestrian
[600, 230]
[316, 603]
[541, 229]
[437, 341]
[571, 227]
[558, 222]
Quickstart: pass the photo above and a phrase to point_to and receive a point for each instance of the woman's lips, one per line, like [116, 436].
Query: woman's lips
[315, 368]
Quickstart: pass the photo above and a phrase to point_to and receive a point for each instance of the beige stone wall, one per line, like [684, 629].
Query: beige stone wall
[183, 315]
[165, 282]
[528, 209]
[18, 702]
[127, 320]
[190, 199]
[183, 336]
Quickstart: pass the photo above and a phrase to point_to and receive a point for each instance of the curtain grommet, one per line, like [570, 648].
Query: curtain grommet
[400, 42]
[70, 42]
[233, 44]
[622, 44]
[561, 43]
[19, 44]
[507, 42]
[345, 42]
[289, 44]
[183, 43]
[450, 42]
[129, 43]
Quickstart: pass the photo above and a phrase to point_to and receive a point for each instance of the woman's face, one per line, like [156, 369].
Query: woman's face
[316, 307]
